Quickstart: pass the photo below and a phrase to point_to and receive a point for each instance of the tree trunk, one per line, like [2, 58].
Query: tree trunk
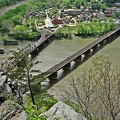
[30, 86]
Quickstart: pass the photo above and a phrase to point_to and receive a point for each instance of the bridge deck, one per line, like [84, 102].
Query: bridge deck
[77, 54]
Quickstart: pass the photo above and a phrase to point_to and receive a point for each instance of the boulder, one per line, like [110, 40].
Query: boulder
[2, 86]
[2, 51]
[5, 90]
[2, 82]
[64, 112]
[10, 110]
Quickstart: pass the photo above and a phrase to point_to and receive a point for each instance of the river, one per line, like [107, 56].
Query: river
[59, 50]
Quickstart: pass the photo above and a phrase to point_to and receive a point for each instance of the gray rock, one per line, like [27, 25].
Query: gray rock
[20, 116]
[5, 90]
[12, 111]
[2, 80]
[2, 51]
[8, 89]
[64, 112]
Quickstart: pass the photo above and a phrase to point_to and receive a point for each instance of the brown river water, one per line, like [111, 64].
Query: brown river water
[59, 50]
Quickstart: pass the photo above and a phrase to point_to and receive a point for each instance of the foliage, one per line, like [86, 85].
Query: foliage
[23, 72]
[40, 101]
[33, 113]
[24, 33]
[117, 14]
[99, 5]
[45, 104]
[4, 38]
[96, 91]
[66, 32]
[11, 18]
[95, 28]
[87, 29]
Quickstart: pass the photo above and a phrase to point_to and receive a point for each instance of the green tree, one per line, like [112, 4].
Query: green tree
[4, 38]
[22, 71]
[17, 20]
[7, 25]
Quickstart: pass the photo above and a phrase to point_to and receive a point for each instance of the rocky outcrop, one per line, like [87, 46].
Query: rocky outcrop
[5, 90]
[2, 51]
[9, 88]
[10, 110]
[64, 112]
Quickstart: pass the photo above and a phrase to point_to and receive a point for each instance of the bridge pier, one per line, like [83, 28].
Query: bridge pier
[114, 36]
[109, 39]
[103, 42]
[46, 42]
[118, 33]
[78, 59]
[53, 76]
[96, 47]
[87, 53]
[67, 66]
[35, 52]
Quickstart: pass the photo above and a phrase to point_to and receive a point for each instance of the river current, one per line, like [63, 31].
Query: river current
[59, 50]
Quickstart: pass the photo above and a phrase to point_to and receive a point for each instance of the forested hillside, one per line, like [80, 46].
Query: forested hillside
[8, 2]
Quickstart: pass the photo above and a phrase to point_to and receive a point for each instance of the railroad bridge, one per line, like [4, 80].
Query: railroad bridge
[80, 55]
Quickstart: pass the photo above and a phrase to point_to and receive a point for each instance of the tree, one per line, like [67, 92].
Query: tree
[96, 91]
[22, 71]
[6, 25]
[109, 88]
[4, 38]
[17, 20]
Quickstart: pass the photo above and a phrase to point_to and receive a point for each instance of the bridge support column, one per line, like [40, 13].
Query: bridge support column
[78, 59]
[35, 52]
[87, 53]
[109, 39]
[53, 76]
[114, 36]
[67, 66]
[96, 47]
[118, 33]
[103, 42]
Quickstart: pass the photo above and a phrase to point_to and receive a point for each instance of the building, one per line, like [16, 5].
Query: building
[73, 11]
[56, 21]
[108, 13]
